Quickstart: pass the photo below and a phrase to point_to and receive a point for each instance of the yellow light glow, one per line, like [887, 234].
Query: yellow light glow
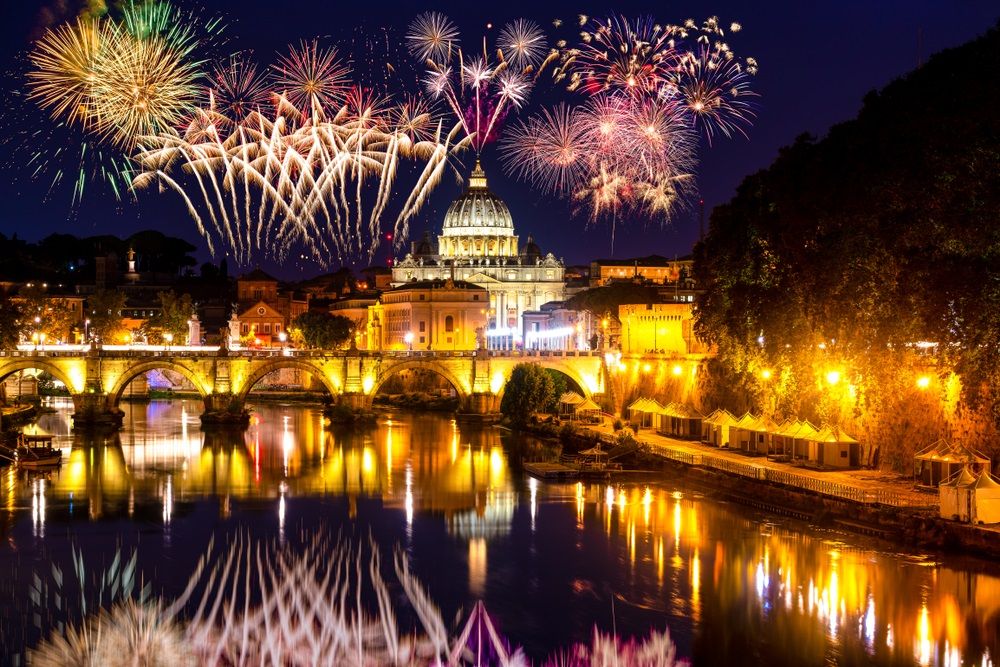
[923, 382]
[646, 368]
[367, 384]
[496, 382]
[677, 369]
[766, 374]
[833, 377]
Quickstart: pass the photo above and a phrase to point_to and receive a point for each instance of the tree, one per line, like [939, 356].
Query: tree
[529, 390]
[104, 310]
[175, 311]
[10, 322]
[828, 267]
[321, 330]
[44, 315]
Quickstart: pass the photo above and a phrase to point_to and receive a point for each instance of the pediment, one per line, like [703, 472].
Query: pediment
[259, 309]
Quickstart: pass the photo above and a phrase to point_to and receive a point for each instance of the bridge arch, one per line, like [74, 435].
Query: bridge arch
[563, 368]
[132, 372]
[55, 371]
[278, 363]
[387, 371]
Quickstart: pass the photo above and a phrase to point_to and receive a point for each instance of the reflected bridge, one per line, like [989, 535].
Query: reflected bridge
[96, 376]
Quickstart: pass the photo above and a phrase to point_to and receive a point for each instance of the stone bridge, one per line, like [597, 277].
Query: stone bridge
[97, 377]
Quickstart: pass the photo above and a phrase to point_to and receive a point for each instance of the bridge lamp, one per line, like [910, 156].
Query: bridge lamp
[766, 374]
[833, 377]
[408, 339]
[923, 382]
[677, 369]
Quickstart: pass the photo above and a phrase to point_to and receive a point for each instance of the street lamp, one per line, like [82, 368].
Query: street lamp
[169, 338]
[408, 339]
[282, 337]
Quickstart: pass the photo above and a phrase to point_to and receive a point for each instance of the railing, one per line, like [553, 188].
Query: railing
[204, 351]
[786, 478]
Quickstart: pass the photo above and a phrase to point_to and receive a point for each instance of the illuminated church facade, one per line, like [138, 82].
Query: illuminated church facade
[478, 245]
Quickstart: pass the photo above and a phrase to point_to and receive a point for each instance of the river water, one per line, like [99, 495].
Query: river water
[550, 561]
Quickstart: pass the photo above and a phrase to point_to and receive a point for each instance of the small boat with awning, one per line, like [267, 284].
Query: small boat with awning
[36, 451]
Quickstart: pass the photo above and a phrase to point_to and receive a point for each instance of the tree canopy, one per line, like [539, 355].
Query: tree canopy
[848, 251]
[104, 310]
[321, 330]
[175, 311]
[529, 390]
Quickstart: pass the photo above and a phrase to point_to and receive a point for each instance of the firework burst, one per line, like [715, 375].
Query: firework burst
[106, 82]
[480, 90]
[432, 36]
[238, 88]
[311, 78]
[611, 154]
[278, 181]
[650, 90]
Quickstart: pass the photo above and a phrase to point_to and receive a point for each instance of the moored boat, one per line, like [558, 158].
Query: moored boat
[36, 451]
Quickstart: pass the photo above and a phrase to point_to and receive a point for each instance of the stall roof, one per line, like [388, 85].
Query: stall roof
[832, 434]
[680, 410]
[962, 478]
[571, 398]
[949, 452]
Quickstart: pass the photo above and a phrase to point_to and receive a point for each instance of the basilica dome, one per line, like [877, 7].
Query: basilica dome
[478, 212]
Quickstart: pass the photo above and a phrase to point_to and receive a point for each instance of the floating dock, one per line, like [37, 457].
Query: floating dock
[550, 470]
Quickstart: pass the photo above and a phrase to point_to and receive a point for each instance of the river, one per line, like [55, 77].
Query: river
[550, 561]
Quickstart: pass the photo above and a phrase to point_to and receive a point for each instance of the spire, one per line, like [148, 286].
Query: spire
[477, 181]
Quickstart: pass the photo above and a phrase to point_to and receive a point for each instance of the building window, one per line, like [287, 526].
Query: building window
[423, 326]
[422, 297]
[449, 324]
[475, 297]
[422, 339]
[267, 328]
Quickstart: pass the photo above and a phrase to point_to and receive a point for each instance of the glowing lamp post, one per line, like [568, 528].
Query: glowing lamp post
[923, 382]
[408, 339]
[168, 338]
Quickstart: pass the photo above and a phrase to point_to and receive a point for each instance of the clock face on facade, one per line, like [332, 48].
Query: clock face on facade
[261, 311]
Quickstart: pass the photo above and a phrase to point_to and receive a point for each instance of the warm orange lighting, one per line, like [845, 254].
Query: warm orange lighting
[677, 369]
[766, 374]
[833, 377]
[646, 368]
[923, 382]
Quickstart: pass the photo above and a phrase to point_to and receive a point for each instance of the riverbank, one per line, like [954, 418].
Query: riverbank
[892, 511]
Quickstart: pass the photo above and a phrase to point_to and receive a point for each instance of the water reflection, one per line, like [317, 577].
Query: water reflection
[550, 560]
[828, 600]
[162, 453]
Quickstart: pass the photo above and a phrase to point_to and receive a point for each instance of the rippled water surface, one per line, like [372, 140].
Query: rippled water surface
[550, 560]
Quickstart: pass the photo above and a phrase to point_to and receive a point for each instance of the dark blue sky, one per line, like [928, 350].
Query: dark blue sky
[817, 60]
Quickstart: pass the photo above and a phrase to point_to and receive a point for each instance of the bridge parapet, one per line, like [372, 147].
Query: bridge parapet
[96, 377]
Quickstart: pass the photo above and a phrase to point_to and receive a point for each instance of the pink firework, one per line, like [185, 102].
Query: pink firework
[481, 90]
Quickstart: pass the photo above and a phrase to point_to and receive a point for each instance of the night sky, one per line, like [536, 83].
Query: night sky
[817, 61]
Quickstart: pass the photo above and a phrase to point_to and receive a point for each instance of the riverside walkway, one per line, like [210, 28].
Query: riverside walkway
[870, 487]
